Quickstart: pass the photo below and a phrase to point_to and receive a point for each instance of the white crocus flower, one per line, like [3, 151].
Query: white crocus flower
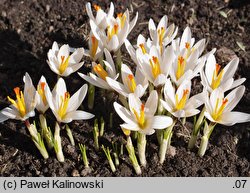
[101, 18]
[131, 84]
[142, 45]
[154, 65]
[116, 32]
[23, 107]
[65, 107]
[61, 62]
[140, 117]
[215, 77]
[162, 35]
[219, 108]
[188, 61]
[41, 104]
[99, 79]
[178, 102]
[95, 48]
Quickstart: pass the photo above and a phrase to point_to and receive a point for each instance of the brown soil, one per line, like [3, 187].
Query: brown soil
[27, 30]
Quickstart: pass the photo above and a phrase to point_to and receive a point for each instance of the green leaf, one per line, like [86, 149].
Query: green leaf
[241, 46]
[222, 13]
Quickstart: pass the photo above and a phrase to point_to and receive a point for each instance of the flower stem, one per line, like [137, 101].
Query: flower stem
[102, 126]
[203, 146]
[196, 129]
[207, 131]
[91, 96]
[46, 132]
[141, 145]
[118, 60]
[84, 155]
[132, 156]
[96, 134]
[57, 144]
[70, 135]
[37, 139]
[166, 141]
[107, 153]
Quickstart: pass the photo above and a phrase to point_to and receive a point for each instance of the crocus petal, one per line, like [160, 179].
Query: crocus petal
[118, 87]
[161, 122]
[71, 69]
[79, 115]
[10, 113]
[76, 100]
[3, 118]
[89, 11]
[76, 56]
[166, 105]
[113, 44]
[231, 118]
[49, 98]
[133, 22]
[234, 98]
[124, 114]
[191, 112]
[151, 27]
[186, 37]
[230, 69]
[238, 82]
[63, 52]
[134, 103]
[132, 127]
[152, 103]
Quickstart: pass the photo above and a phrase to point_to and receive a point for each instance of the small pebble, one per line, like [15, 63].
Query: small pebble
[75, 173]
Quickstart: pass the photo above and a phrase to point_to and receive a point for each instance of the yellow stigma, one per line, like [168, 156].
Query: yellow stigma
[40, 90]
[161, 33]
[155, 66]
[180, 104]
[100, 71]
[131, 83]
[122, 18]
[112, 31]
[97, 8]
[143, 48]
[64, 64]
[181, 64]
[219, 110]
[140, 117]
[94, 47]
[63, 105]
[216, 79]
[19, 104]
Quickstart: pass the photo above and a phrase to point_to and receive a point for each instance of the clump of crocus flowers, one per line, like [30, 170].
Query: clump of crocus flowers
[154, 92]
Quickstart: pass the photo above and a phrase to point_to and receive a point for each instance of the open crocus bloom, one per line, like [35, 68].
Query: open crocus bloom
[61, 62]
[23, 107]
[131, 84]
[178, 102]
[99, 79]
[162, 35]
[41, 104]
[116, 32]
[216, 77]
[140, 117]
[65, 107]
[219, 108]
[155, 66]
[187, 63]
[101, 17]
[95, 48]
